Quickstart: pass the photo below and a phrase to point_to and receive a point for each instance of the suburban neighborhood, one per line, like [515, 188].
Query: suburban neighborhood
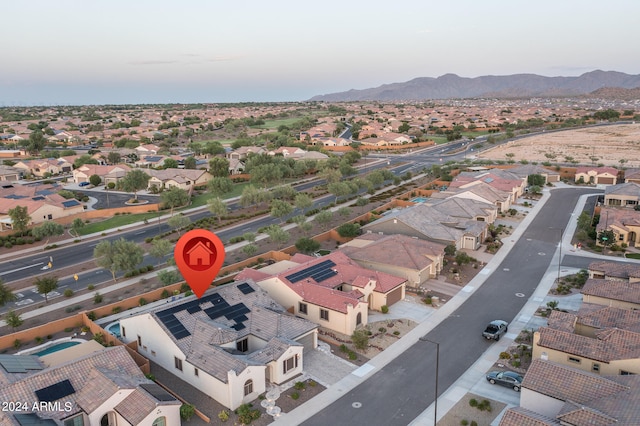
[353, 233]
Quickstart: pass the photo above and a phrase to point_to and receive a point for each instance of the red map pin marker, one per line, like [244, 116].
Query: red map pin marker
[199, 255]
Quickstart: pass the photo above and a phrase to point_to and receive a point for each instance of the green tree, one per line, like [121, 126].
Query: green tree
[220, 185]
[178, 222]
[160, 248]
[219, 167]
[77, 225]
[266, 173]
[217, 207]
[251, 196]
[450, 250]
[339, 189]
[119, 255]
[284, 192]
[46, 285]
[6, 295]
[169, 276]
[170, 163]
[349, 230]
[47, 230]
[249, 249]
[19, 218]
[36, 142]
[606, 237]
[536, 179]
[280, 208]
[360, 338]
[303, 201]
[307, 245]
[277, 235]
[330, 175]
[324, 218]
[134, 181]
[114, 157]
[174, 197]
[13, 319]
[189, 163]
[249, 236]
[344, 211]
[95, 180]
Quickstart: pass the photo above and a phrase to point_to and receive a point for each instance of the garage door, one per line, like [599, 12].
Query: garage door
[605, 180]
[394, 296]
[306, 341]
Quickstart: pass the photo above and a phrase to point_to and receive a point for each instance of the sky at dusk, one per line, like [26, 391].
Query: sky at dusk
[76, 52]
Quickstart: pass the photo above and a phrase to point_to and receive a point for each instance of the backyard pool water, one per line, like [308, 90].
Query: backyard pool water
[114, 329]
[419, 199]
[57, 347]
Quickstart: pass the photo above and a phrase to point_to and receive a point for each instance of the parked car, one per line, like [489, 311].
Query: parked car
[84, 184]
[495, 330]
[505, 378]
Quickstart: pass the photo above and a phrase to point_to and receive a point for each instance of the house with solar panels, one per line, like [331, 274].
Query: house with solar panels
[230, 343]
[332, 291]
[99, 388]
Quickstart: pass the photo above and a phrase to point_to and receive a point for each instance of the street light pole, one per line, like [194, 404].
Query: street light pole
[560, 253]
[435, 400]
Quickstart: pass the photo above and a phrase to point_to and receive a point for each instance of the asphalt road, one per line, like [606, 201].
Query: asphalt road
[404, 388]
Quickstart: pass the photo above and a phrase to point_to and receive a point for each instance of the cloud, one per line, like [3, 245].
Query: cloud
[152, 62]
[224, 58]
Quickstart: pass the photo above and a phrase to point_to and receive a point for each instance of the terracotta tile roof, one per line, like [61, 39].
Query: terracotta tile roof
[519, 416]
[612, 289]
[95, 378]
[135, 407]
[563, 321]
[589, 399]
[463, 207]
[630, 188]
[610, 344]
[609, 317]
[398, 250]
[598, 170]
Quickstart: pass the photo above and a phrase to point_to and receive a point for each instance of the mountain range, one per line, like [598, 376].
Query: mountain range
[450, 86]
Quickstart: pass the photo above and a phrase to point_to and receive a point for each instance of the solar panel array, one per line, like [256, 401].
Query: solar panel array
[20, 363]
[245, 288]
[220, 308]
[31, 419]
[55, 391]
[157, 392]
[319, 272]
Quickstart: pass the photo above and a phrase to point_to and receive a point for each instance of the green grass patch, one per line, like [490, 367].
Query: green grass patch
[632, 255]
[274, 124]
[118, 221]
[201, 199]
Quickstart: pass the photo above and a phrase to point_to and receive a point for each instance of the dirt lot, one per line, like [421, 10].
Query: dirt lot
[605, 145]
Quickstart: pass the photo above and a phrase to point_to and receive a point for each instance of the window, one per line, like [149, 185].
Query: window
[595, 367]
[243, 345]
[248, 387]
[359, 318]
[139, 340]
[50, 216]
[302, 308]
[177, 362]
[108, 419]
[124, 331]
[160, 421]
[290, 364]
[153, 353]
[75, 421]
[324, 314]
[626, 373]
[196, 372]
[574, 360]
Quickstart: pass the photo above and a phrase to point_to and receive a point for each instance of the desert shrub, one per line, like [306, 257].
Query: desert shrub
[68, 293]
[247, 414]
[223, 415]
[295, 395]
[187, 411]
[505, 355]
[299, 385]
[360, 338]
[473, 402]
[352, 355]
[384, 309]
[97, 298]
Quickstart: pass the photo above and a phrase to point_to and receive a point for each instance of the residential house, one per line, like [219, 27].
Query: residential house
[108, 174]
[526, 170]
[478, 191]
[597, 175]
[333, 290]
[611, 351]
[186, 179]
[617, 271]
[556, 394]
[330, 142]
[288, 152]
[622, 195]
[632, 175]
[242, 152]
[236, 166]
[624, 223]
[502, 180]
[428, 223]
[147, 149]
[9, 173]
[43, 167]
[465, 208]
[413, 259]
[151, 161]
[229, 344]
[614, 293]
[100, 388]
[42, 203]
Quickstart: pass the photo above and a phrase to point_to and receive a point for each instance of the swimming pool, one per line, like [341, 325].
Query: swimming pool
[114, 329]
[419, 199]
[57, 347]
